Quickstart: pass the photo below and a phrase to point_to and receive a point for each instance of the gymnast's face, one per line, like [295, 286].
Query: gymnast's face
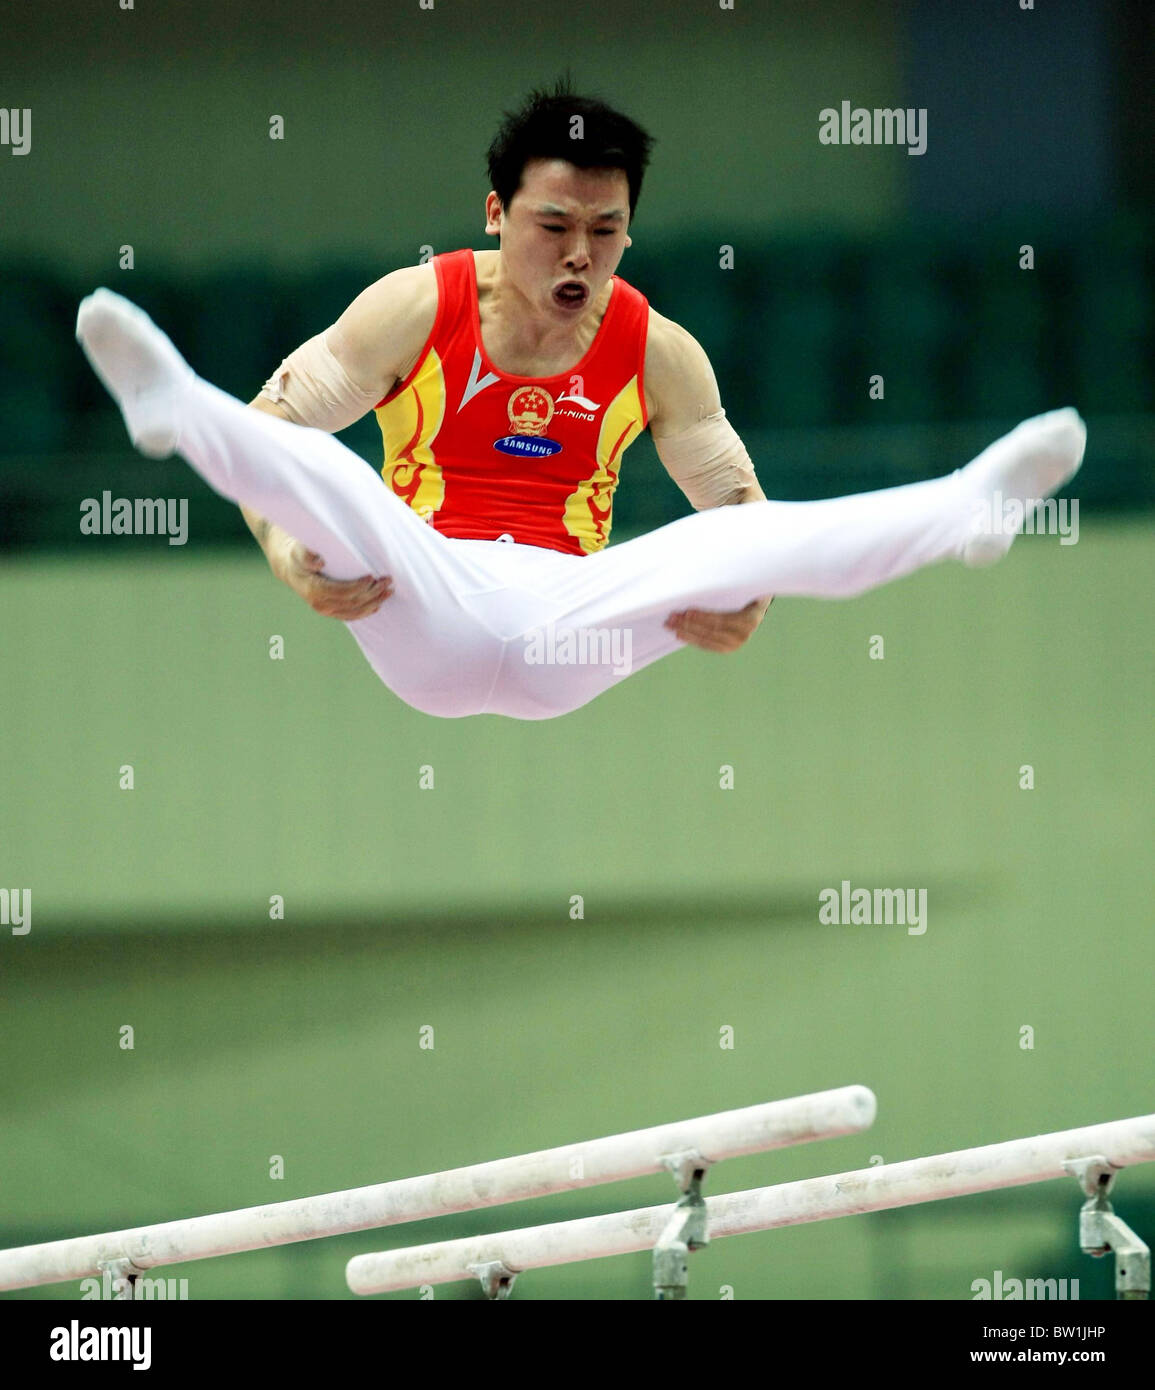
[563, 235]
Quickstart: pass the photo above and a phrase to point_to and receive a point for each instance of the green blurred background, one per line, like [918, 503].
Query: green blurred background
[450, 908]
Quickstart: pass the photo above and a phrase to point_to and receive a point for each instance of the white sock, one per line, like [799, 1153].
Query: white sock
[1035, 459]
[138, 364]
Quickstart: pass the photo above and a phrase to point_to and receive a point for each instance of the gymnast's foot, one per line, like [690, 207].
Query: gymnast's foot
[1026, 466]
[144, 373]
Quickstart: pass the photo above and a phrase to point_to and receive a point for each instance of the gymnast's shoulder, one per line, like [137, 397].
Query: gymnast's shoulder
[680, 385]
[379, 336]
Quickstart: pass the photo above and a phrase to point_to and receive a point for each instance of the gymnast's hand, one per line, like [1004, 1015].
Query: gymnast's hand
[300, 568]
[719, 632]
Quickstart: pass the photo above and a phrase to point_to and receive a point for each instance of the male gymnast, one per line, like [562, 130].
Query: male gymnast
[508, 384]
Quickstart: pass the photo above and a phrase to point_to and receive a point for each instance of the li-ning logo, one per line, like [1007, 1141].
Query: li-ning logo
[583, 401]
[588, 409]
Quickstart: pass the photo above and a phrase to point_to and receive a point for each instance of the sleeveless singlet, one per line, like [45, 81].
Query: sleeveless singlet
[483, 455]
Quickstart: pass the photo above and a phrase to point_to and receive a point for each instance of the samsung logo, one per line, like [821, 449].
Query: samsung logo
[524, 446]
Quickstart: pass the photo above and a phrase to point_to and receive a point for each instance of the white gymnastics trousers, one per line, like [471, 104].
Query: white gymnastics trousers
[494, 627]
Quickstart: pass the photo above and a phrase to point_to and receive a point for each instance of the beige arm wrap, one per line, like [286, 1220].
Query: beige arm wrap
[313, 389]
[708, 462]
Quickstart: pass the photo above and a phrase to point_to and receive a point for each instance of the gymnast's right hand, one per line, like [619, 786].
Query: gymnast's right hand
[300, 568]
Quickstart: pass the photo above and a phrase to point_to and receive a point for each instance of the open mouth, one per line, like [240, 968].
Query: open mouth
[572, 294]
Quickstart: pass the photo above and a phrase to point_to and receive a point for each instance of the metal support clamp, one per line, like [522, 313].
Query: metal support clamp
[124, 1273]
[686, 1228]
[496, 1279]
[1101, 1232]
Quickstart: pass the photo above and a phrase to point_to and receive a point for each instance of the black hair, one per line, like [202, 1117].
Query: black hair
[543, 128]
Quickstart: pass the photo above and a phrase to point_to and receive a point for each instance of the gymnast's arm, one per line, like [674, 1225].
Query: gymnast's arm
[702, 453]
[328, 383]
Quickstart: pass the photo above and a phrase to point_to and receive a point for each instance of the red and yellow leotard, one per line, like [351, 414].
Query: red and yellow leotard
[483, 455]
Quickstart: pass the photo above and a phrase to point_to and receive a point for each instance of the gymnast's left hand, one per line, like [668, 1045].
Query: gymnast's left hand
[719, 632]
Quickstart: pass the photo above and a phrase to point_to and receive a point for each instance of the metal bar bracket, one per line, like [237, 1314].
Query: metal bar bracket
[124, 1274]
[1101, 1232]
[686, 1229]
[496, 1279]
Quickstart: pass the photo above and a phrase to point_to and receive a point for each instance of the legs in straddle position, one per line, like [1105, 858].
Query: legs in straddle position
[457, 635]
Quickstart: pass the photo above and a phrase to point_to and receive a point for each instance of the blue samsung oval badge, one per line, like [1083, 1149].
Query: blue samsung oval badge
[535, 446]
